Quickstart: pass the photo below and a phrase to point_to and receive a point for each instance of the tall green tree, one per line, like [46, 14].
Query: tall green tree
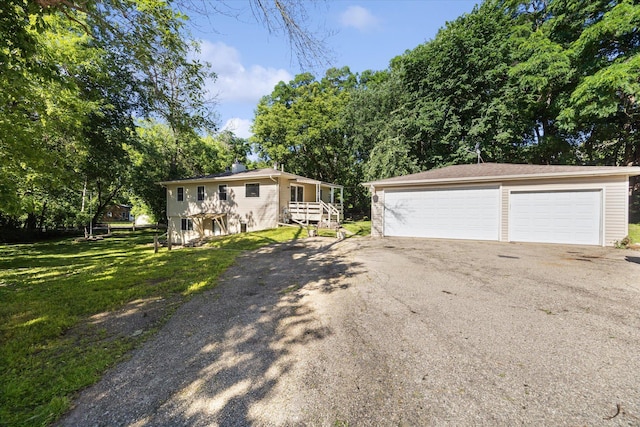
[576, 63]
[152, 160]
[298, 124]
[73, 74]
[301, 126]
[445, 97]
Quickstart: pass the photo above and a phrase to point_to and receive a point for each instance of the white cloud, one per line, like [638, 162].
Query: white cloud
[359, 18]
[235, 82]
[240, 127]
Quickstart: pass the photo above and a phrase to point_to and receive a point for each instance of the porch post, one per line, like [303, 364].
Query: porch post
[332, 194]
[317, 192]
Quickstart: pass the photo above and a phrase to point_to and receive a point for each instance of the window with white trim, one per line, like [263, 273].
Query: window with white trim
[180, 194]
[200, 193]
[186, 224]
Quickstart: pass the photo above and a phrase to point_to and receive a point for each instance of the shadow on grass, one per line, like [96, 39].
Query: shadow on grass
[227, 350]
[58, 253]
[255, 240]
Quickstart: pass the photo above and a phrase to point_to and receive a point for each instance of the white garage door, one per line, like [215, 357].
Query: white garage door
[556, 217]
[465, 213]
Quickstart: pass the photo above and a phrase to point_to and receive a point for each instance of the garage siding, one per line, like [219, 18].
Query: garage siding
[377, 213]
[615, 196]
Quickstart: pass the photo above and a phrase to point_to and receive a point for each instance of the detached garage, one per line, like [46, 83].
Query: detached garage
[506, 202]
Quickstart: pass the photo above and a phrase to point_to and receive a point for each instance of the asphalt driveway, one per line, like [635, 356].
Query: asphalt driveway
[393, 332]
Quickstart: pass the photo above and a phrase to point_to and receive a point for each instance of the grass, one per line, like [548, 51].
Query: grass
[358, 228]
[634, 233]
[50, 290]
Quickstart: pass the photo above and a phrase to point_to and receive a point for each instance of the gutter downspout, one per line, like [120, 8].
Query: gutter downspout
[277, 181]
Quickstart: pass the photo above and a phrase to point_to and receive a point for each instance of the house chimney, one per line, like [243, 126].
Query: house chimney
[238, 167]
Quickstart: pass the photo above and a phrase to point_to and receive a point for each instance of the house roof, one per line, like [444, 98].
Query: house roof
[249, 175]
[486, 172]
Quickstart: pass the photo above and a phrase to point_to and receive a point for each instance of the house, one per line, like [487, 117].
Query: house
[116, 213]
[507, 203]
[241, 200]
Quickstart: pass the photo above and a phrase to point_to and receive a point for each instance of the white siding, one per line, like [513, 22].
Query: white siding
[258, 213]
[614, 190]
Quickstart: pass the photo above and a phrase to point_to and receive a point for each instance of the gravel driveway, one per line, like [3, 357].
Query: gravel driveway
[393, 332]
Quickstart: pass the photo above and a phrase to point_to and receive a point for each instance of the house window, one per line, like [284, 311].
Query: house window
[200, 193]
[252, 190]
[180, 191]
[222, 192]
[297, 193]
[186, 224]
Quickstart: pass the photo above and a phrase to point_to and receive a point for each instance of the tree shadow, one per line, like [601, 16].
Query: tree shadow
[226, 349]
[634, 259]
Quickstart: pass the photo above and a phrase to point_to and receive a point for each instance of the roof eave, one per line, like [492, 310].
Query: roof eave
[225, 178]
[624, 171]
[304, 180]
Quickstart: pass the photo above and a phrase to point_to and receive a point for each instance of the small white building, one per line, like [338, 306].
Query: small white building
[506, 202]
[241, 200]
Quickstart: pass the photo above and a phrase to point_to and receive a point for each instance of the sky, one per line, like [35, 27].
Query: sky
[363, 35]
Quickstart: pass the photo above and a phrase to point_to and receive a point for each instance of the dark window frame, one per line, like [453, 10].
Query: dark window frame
[180, 194]
[200, 194]
[186, 224]
[222, 195]
[252, 193]
[297, 193]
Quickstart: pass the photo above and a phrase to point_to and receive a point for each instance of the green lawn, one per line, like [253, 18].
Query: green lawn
[634, 233]
[48, 291]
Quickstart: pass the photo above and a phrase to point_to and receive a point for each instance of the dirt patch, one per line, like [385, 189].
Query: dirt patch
[133, 319]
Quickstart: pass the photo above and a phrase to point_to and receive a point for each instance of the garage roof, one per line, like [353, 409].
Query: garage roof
[485, 172]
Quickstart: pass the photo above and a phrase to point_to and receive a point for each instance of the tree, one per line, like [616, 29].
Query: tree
[300, 126]
[151, 157]
[593, 61]
[73, 75]
[441, 99]
[42, 123]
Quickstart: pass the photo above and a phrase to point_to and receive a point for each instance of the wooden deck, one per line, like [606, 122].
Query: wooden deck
[315, 212]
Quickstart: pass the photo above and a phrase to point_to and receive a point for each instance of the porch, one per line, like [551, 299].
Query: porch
[321, 213]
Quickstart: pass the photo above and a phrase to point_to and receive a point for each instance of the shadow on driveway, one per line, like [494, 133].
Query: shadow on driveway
[225, 349]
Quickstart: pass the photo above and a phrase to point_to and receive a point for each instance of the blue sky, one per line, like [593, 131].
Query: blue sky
[363, 35]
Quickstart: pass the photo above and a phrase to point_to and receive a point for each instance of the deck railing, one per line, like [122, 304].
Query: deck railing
[315, 211]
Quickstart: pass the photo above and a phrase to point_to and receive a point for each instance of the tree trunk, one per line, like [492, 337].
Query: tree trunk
[41, 219]
[84, 194]
[31, 222]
